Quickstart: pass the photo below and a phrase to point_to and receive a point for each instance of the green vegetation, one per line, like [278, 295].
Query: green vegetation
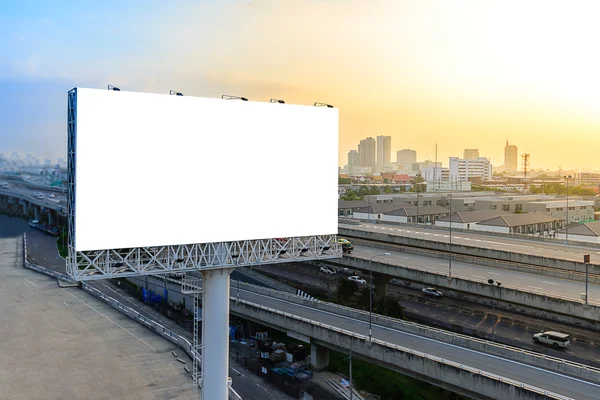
[388, 384]
[561, 188]
[360, 194]
[348, 294]
[61, 244]
[344, 181]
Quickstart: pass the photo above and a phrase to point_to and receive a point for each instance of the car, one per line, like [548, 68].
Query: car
[53, 195]
[555, 339]
[327, 270]
[429, 291]
[357, 279]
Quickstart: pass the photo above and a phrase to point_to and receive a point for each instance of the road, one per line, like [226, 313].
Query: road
[520, 280]
[57, 203]
[309, 276]
[540, 378]
[553, 249]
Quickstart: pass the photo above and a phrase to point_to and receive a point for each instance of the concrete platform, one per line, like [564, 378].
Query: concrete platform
[64, 344]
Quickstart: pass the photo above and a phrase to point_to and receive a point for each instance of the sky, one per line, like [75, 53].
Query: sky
[464, 74]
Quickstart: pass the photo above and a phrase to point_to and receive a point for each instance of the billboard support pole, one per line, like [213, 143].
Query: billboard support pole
[215, 328]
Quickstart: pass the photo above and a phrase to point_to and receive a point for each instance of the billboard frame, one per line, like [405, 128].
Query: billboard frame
[127, 262]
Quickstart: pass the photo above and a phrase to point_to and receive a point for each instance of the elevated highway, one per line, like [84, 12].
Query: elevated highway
[526, 252]
[478, 372]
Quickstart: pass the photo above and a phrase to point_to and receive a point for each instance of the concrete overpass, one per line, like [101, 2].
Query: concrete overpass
[524, 251]
[21, 201]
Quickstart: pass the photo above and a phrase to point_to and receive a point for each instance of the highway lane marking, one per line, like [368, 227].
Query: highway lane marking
[168, 388]
[364, 324]
[237, 372]
[32, 283]
[66, 304]
[536, 287]
[431, 268]
[138, 338]
[493, 273]
[265, 389]
[478, 276]
[549, 283]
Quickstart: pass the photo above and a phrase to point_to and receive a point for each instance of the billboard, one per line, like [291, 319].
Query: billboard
[157, 170]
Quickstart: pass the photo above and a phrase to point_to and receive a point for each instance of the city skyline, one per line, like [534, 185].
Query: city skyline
[420, 72]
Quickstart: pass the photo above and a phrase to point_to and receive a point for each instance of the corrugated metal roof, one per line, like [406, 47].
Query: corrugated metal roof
[513, 220]
[587, 229]
[474, 216]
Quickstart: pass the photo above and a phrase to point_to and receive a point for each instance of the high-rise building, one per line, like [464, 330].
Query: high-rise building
[366, 152]
[510, 157]
[384, 152]
[462, 170]
[471, 154]
[406, 156]
[353, 161]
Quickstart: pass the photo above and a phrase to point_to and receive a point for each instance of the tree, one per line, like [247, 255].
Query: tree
[344, 181]
[389, 306]
[345, 291]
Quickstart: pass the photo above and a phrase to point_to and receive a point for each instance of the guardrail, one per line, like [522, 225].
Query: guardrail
[422, 355]
[510, 352]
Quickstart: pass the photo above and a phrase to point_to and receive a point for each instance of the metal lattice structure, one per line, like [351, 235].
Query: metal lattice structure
[119, 263]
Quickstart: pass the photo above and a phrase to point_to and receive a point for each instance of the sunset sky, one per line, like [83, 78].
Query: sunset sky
[467, 74]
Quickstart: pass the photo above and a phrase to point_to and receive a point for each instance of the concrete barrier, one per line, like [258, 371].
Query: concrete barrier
[489, 262]
[453, 376]
[267, 280]
[470, 250]
[514, 353]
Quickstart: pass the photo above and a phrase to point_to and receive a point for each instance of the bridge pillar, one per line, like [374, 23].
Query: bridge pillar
[50, 218]
[381, 281]
[36, 212]
[215, 333]
[25, 208]
[319, 357]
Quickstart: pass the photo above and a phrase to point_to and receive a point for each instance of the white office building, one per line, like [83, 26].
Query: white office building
[462, 170]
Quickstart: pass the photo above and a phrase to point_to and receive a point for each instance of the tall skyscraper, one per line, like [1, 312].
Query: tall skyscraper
[353, 161]
[384, 152]
[510, 157]
[471, 154]
[406, 156]
[366, 152]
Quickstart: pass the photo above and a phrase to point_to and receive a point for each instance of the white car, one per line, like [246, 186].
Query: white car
[431, 292]
[357, 279]
[52, 195]
[556, 339]
[327, 270]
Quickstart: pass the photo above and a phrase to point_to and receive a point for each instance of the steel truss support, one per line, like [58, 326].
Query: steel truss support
[117, 263]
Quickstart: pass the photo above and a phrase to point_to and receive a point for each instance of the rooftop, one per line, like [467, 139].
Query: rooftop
[586, 229]
[513, 220]
[474, 216]
[563, 203]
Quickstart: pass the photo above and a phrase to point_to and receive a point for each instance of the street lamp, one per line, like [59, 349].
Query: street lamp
[371, 291]
[450, 253]
[494, 283]
[276, 101]
[237, 270]
[174, 92]
[567, 177]
[417, 188]
[323, 105]
[111, 87]
[228, 97]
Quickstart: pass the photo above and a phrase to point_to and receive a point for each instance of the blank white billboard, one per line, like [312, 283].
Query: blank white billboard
[157, 170]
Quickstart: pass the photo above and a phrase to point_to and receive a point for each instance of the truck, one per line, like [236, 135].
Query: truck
[346, 245]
